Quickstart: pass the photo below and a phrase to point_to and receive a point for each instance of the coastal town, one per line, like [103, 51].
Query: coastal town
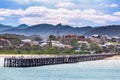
[59, 39]
[57, 44]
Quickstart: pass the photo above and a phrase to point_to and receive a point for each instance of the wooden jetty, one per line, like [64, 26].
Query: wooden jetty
[41, 61]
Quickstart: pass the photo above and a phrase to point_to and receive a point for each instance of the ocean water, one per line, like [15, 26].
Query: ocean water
[91, 70]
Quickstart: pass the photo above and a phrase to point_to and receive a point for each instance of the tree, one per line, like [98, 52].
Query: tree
[52, 37]
[74, 43]
[37, 39]
[96, 48]
[84, 46]
[15, 41]
[111, 48]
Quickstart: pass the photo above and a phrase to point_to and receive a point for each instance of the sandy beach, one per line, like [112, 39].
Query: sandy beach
[117, 57]
[24, 55]
[29, 55]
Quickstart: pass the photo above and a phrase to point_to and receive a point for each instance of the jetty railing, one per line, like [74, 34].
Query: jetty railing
[41, 61]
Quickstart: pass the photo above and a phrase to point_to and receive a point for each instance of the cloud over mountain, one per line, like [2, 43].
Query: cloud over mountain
[37, 15]
[72, 12]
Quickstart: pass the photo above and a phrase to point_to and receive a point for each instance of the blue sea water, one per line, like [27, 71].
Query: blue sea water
[91, 70]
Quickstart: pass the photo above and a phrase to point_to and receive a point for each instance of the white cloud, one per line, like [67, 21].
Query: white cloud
[100, 19]
[65, 4]
[38, 20]
[108, 5]
[91, 12]
[104, 5]
[9, 12]
[114, 5]
[117, 13]
[28, 1]
[65, 16]
[40, 1]
[37, 15]
[2, 19]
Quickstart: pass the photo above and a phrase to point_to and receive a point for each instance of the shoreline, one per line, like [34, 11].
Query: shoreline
[116, 57]
[26, 55]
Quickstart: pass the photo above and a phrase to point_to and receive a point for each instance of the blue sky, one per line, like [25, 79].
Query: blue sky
[77, 13]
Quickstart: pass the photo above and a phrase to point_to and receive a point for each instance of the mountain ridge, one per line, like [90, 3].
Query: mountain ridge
[48, 29]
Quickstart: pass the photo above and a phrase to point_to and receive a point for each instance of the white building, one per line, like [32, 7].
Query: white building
[26, 40]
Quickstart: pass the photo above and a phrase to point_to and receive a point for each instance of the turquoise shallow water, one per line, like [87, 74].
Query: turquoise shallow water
[91, 70]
